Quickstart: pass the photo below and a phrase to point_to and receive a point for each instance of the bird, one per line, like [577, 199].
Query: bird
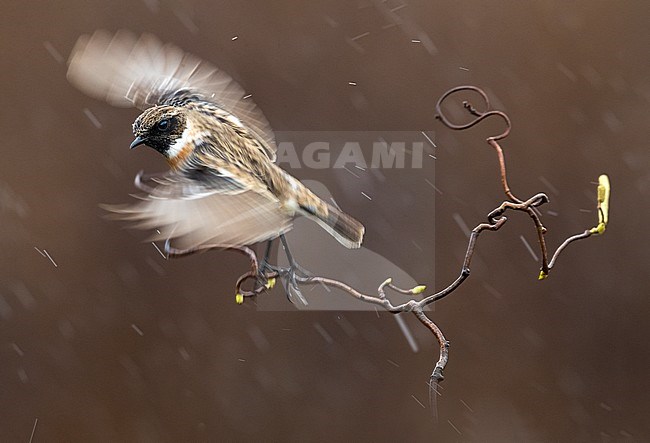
[223, 186]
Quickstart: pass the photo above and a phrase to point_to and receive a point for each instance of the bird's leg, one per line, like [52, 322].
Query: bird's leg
[293, 264]
[291, 284]
[265, 264]
[266, 271]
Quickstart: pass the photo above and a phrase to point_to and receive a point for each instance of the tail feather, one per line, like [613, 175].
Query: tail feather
[348, 231]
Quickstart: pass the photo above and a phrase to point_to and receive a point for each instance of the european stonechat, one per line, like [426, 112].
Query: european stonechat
[223, 187]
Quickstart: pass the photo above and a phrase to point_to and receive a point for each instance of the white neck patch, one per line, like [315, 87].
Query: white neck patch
[176, 147]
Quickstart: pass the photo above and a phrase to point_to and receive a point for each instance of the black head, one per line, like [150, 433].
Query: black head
[159, 128]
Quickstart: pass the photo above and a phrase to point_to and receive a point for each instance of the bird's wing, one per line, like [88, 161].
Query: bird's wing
[218, 210]
[130, 71]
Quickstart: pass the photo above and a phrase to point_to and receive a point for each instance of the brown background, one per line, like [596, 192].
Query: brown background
[561, 360]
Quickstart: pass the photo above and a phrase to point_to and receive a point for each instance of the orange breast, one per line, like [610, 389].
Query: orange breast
[180, 158]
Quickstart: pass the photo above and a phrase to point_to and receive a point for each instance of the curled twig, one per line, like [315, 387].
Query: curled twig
[480, 116]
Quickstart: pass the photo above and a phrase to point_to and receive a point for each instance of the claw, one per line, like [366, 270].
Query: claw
[294, 294]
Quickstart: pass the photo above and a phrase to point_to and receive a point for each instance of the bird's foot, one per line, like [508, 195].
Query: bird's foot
[291, 277]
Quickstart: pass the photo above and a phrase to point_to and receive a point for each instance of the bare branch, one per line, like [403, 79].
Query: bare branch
[265, 278]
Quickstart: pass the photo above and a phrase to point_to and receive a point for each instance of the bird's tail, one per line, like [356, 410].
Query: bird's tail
[345, 229]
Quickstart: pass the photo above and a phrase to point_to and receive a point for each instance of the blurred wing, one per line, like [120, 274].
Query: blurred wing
[127, 71]
[192, 214]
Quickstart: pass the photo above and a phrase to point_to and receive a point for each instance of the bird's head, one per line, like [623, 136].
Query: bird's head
[160, 128]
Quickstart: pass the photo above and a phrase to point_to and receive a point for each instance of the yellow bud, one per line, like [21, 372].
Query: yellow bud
[270, 283]
[419, 289]
[604, 189]
[542, 275]
[598, 229]
[239, 299]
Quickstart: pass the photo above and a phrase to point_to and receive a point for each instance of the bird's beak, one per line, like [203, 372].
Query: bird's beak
[138, 141]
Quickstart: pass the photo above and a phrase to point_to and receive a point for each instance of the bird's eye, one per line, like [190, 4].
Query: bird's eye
[164, 125]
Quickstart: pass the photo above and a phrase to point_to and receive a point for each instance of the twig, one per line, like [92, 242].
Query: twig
[265, 278]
